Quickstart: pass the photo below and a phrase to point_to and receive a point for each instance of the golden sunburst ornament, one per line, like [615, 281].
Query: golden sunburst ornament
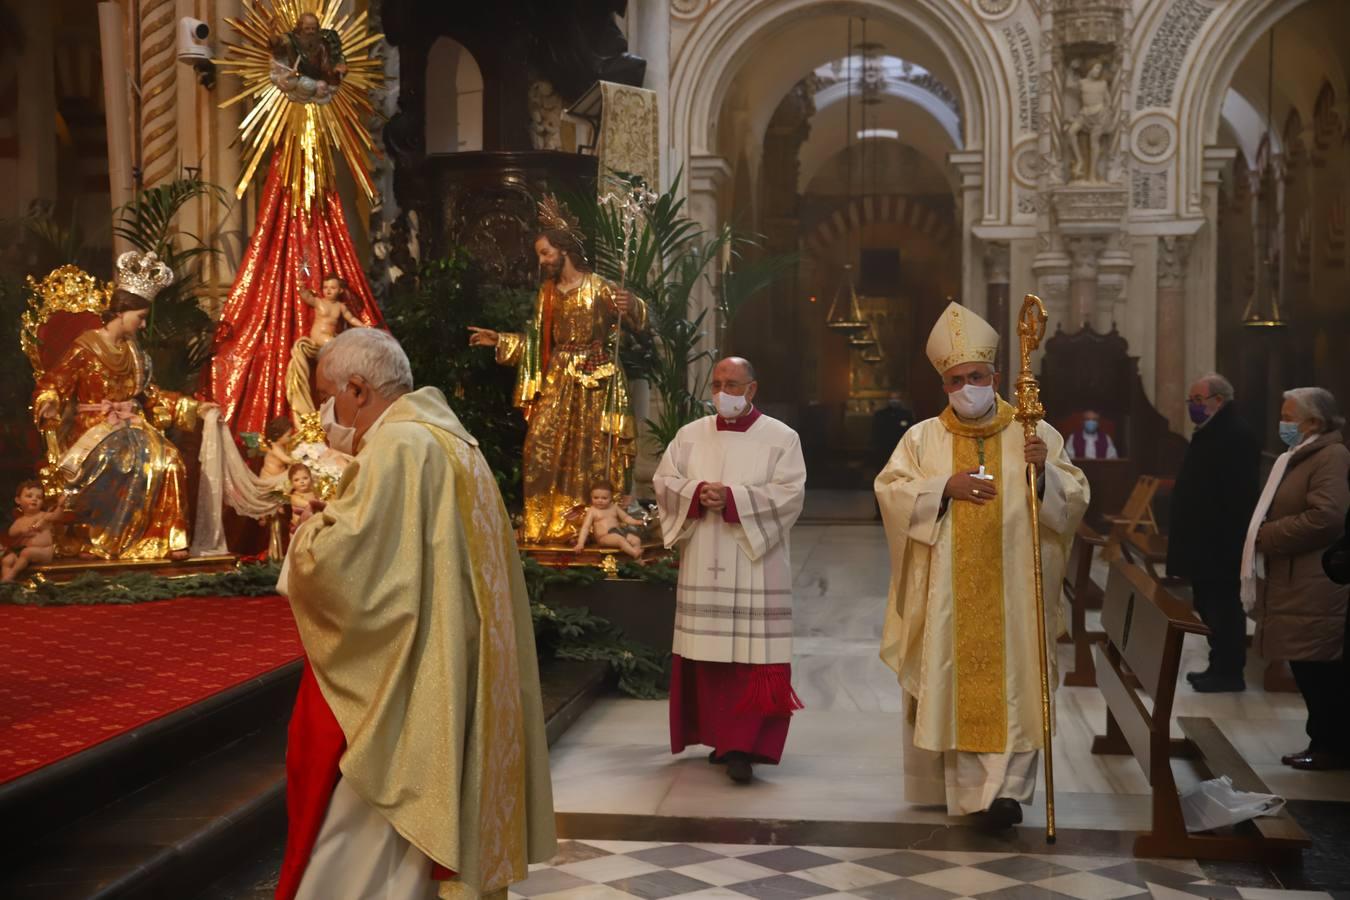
[311, 91]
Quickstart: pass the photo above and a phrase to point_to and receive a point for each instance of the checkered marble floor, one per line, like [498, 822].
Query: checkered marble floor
[621, 870]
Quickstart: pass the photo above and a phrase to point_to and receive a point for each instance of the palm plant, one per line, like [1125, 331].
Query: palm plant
[179, 330]
[665, 261]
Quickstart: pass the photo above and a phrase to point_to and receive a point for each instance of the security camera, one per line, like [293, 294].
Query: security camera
[194, 51]
[192, 35]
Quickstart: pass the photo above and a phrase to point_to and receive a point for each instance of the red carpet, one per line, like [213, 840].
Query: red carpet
[74, 676]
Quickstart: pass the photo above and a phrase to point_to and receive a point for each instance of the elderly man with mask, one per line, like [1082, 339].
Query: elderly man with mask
[730, 486]
[960, 627]
[416, 764]
[1215, 493]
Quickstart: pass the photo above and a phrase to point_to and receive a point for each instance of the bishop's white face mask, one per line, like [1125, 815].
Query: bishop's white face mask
[730, 406]
[340, 437]
[972, 401]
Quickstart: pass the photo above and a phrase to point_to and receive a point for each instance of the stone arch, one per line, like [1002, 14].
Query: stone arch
[864, 211]
[721, 42]
[1215, 57]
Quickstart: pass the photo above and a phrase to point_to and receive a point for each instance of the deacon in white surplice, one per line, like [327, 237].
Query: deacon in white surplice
[730, 487]
[960, 626]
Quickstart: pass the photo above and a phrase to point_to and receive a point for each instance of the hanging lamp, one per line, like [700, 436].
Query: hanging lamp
[1263, 307]
[847, 319]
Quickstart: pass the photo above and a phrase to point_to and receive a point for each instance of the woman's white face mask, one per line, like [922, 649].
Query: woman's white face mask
[972, 401]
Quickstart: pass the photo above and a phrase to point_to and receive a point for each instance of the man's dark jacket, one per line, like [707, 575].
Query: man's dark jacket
[1213, 501]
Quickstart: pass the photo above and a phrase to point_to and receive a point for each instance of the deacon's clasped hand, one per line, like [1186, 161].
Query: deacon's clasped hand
[1036, 452]
[967, 486]
[713, 496]
[306, 513]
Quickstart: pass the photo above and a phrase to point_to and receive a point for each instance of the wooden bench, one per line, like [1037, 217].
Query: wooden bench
[1145, 627]
[1084, 594]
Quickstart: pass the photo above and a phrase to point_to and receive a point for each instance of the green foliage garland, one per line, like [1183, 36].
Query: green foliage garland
[568, 632]
[92, 589]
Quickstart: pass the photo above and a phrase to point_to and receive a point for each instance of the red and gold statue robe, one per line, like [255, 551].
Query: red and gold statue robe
[578, 419]
[126, 481]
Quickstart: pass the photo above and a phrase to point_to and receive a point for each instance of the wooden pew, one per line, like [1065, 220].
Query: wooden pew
[1083, 592]
[1145, 627]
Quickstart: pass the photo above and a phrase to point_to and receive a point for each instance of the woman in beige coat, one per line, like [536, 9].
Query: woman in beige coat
[1300, 613]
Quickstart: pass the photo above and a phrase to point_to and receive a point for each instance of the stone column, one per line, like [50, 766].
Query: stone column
[1083, 279]
[650, 39]
[969, 165]
[997, 288]
[158, 89]
[708, 175]
[1170, 380]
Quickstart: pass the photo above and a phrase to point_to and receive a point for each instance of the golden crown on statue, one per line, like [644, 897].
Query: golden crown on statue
[142, 274]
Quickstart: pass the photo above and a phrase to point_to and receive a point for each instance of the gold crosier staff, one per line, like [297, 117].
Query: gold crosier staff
[1030, 330]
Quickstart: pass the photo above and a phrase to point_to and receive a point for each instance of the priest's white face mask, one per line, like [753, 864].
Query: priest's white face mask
[971, 389]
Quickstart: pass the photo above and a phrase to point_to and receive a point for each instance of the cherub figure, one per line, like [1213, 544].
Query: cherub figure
[329, 307]
[302, 492]
[610, 525]
[30, 537]
[278, 460]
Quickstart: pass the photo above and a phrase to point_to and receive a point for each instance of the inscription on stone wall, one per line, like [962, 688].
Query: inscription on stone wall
[1148, 190]
[1023, 51]
[1167, 51]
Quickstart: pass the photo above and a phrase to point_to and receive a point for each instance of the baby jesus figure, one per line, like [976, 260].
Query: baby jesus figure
[30, 537]
[302, 492]
[329, 307]
[611, 526]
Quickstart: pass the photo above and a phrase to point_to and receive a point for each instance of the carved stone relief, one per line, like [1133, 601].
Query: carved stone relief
[1174, 253]
[1154, 138]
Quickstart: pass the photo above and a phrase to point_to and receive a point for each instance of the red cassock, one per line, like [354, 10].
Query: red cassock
[314, 747]
[264, 315]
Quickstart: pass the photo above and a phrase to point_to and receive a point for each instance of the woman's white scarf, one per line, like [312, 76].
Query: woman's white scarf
[1252, 567]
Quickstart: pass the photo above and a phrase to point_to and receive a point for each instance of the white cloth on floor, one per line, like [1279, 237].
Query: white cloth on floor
[359, 856]
[966, 782]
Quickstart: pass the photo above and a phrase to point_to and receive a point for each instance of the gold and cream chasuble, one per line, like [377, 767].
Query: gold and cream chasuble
[410, 601]
[960, 628]
[734, 598]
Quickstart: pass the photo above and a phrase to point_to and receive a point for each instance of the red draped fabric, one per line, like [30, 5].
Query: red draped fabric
[264, 315]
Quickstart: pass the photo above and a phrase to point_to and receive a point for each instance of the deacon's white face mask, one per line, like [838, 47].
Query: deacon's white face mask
[730, 406]
[340, 437]
[972, 401]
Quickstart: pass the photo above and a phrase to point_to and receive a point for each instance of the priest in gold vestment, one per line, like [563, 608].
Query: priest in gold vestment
[417, 765]
[126, 480]
[570, 386]
[960, 628]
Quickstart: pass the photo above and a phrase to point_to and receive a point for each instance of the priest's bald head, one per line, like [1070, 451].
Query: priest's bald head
[733, 386]
[963, 348]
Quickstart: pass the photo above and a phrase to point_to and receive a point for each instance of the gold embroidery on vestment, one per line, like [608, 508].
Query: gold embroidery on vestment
[977, 593]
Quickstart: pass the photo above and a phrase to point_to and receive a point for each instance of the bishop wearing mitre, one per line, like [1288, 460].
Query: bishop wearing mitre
[960, 628]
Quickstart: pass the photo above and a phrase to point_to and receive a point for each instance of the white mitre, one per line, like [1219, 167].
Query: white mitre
[961, 337]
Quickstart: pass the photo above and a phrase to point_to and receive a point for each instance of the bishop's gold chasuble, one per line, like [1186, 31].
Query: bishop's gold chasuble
[960, 627]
